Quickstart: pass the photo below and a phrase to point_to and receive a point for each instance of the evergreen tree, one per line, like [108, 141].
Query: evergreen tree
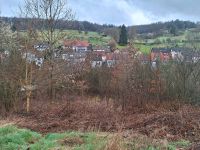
[173, 30]
[123, 39]
[13, 28]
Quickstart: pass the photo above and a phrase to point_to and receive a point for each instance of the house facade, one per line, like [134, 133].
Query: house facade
[160, 54]
[77, 46]
[103, 49]
[109, 59]
[41, 47]
[74, 57]
[97, 61]
[176, 54]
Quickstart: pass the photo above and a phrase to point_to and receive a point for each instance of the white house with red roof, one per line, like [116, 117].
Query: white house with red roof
[77, 46]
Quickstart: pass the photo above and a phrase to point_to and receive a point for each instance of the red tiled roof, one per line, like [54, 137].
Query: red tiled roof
[76, 43]
[109, 56]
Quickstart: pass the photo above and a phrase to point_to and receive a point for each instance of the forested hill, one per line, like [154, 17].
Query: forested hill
[155, 27]
[21, 24]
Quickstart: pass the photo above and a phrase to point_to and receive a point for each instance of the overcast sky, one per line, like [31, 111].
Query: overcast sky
[129, 12]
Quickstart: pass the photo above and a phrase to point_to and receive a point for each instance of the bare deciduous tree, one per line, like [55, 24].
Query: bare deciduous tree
[48, 14]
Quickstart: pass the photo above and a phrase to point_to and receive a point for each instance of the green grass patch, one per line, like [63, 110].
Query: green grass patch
[12, 138]
[179, 144]
[93, 37]
[145, 49]
[166, 40]
[121, 47]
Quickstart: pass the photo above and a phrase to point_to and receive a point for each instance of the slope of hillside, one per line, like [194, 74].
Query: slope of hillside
[185, 38]
[92, 37]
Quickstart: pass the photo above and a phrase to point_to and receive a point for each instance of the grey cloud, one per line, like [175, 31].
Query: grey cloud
[124, 11]
[185, 9]
[103, 11]
[148, 10]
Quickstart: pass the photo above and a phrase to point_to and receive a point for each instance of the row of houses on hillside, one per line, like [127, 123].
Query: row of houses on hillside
[73, 51]
[78, 51]
[109, 59]
[178, 54]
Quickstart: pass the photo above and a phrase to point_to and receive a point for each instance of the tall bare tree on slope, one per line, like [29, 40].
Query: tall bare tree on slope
[48, 14]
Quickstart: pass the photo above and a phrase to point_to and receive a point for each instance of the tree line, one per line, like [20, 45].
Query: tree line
[156, 27]
[21, 24]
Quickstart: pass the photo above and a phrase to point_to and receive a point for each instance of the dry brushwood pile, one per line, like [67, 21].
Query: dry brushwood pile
[181, 123]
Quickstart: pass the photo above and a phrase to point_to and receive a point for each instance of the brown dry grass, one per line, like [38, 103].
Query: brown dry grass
[157, 121]
[116, 142]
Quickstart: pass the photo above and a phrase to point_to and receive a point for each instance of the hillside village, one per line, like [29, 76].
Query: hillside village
[77, 51]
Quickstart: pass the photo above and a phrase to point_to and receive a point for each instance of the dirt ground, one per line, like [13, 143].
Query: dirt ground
[155, 122]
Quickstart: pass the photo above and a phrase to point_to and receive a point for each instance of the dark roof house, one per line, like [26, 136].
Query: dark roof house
[160, 54]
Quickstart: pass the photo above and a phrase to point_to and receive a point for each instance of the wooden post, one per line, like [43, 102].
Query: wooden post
[29, 92]
[28, 101]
